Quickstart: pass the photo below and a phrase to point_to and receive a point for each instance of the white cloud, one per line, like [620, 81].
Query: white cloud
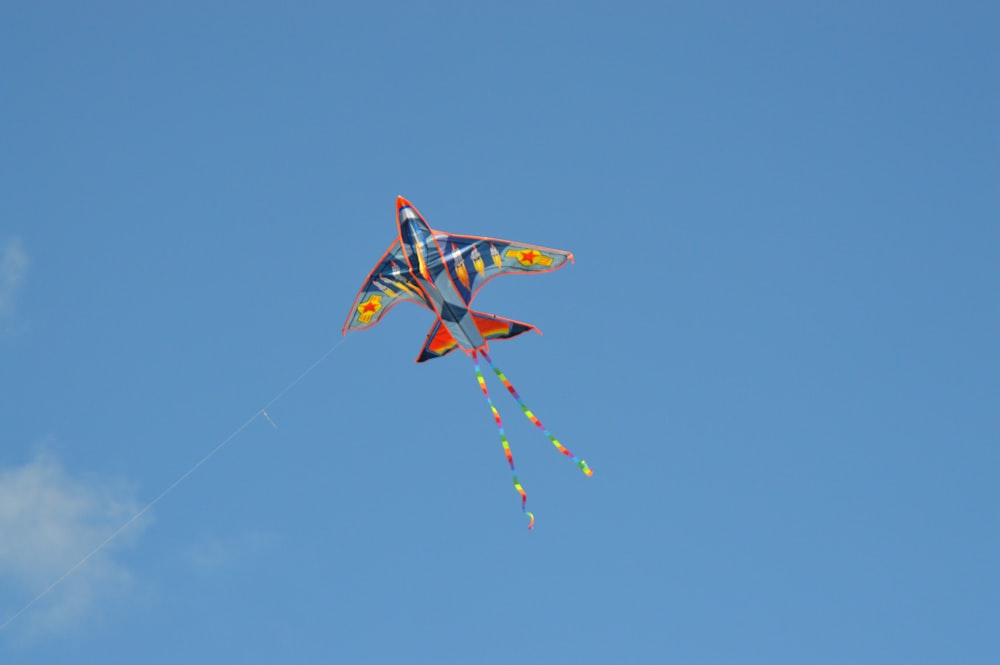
[13, 267]
[51, 520]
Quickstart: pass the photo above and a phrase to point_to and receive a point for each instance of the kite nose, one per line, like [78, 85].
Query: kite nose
[402, 203]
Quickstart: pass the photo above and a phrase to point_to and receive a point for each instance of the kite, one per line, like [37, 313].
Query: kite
[443, 272]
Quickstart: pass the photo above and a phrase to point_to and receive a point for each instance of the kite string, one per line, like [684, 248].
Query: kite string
[170, 488]
[533, 418]
[503, 440]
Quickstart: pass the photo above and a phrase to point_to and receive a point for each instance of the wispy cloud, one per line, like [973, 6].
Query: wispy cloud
[14, 263]
[50, 520]
[216, 552]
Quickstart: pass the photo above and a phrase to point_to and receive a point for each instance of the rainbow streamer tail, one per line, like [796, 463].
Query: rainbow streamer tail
[534, 419]
[503, 435]
[504, 442]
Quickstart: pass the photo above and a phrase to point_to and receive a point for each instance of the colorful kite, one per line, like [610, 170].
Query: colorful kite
[443, 272]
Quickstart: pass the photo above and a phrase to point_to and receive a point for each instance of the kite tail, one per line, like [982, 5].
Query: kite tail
[531, 416]
[503, 440]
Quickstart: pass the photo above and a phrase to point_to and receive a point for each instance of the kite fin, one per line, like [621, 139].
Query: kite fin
[439, 343]
[492, 326]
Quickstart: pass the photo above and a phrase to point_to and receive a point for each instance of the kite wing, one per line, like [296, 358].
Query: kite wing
[473, 260]
[388, 284]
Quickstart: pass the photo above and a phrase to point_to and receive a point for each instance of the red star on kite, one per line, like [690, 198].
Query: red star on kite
[367, 309]
[527, 257]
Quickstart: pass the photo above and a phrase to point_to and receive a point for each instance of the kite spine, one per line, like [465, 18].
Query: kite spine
[531, 416]
[503, 439]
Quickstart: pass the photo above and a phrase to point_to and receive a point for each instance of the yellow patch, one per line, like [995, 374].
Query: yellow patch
[369, 308]
[529, 257]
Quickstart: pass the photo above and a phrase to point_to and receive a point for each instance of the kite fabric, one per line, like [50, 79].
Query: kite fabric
[443, 272]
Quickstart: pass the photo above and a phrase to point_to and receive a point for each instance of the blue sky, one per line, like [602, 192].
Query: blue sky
[777, 347]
